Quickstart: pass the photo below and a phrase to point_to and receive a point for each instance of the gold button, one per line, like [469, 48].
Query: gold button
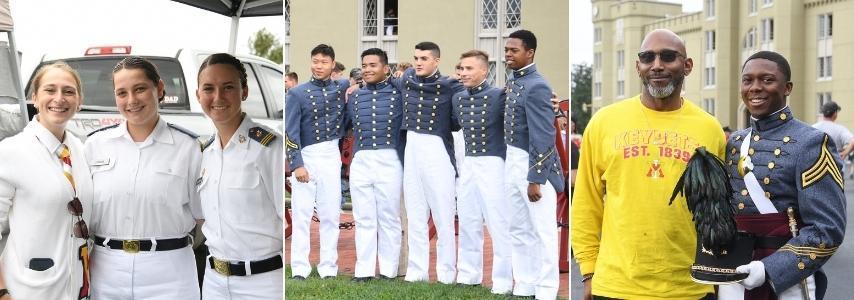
[744, 192]
[783, 116]
[729, 162]
[801, 265]
[822, 245]
[771, 165]
[812, 256]
[733, 150]
[786, 139]
[768, 195]
[766, 180]
[750, 152]
[777, 152]
[741, 205]
[756, 138]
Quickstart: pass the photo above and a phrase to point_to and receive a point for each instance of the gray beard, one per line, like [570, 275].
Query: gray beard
[665, 91]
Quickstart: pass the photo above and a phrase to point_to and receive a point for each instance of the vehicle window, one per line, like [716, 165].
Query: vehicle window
[96, 74]
[254, 104]
[273, 78]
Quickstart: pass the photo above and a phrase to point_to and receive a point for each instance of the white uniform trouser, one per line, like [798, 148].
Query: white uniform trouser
[735, 291]
[428, 188]
[376, 181]
[267, 285]
[481, 195]
[323, 190]
[533, 230]
[162, 275]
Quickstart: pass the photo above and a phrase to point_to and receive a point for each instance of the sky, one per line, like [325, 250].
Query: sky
[49, 26]
[581, 27]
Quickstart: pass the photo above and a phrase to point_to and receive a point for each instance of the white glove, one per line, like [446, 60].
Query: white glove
[756, 274]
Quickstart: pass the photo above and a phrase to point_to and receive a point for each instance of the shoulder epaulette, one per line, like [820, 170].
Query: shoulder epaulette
[102, 129]
[261, 135]
[207, 143]
[183, 130]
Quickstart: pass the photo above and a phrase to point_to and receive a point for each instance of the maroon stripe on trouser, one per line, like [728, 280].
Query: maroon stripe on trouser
[776, 224]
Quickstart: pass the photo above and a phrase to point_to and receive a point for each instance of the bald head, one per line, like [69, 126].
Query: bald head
[660, 39]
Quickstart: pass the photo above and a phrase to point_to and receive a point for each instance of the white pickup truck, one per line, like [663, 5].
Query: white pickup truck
[179, 71]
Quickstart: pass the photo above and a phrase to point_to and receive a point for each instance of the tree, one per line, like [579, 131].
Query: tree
[265, 44]
[582, 92]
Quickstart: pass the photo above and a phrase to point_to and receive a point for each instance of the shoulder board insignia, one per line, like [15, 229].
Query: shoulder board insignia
[183, 130]
[102, 129]
[207, 143]
[261, 135]
[824, 165]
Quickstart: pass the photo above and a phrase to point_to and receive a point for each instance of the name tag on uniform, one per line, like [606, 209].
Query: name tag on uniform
[100, 162]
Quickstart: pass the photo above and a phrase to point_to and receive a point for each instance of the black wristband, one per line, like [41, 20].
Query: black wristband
[4, 292]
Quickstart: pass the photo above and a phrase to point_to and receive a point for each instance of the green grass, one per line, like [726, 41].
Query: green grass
[342, 288]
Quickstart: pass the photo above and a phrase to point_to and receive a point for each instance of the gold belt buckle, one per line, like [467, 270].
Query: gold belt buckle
[222, 267]
[130, 246]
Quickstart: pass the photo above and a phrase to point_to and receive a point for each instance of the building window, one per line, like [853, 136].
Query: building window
[710, 9]
[822, 99]
[496, 20]
[597, 89]
[767, 30]
[514, 14]
[825, 67]
[597, 35]
[751, 7]
[621, 59]
[825, 26]
[371, 25]
[621, 88]
[597, 61]
[750, 39]
[618, 36]
[710, 41]
[709, 105]
[710, 76]
[767, 2]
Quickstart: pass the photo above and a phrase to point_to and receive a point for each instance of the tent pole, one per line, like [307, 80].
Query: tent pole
[232, 37]
[16, 76]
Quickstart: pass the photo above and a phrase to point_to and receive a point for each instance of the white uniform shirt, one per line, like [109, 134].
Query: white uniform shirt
[241, 189]
[34, 196]
[144, 190]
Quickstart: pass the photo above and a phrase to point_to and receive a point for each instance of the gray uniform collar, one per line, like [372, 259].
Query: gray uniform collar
[773, 120]
[321, 83]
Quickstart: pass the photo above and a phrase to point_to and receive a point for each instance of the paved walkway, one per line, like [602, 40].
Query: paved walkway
[347, 255]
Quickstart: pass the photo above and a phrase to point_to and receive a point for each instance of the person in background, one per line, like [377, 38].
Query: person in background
[291, 80]
[338, 71]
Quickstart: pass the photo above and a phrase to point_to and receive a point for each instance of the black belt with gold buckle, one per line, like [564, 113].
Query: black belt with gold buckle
[227, 268]
[134, 246]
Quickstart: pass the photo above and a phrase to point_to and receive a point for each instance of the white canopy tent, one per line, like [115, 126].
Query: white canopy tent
[236, 9]
[11, 91]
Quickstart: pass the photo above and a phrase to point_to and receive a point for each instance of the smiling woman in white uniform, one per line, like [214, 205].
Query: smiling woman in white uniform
[45, 195]
[144, 172]
[241, 190]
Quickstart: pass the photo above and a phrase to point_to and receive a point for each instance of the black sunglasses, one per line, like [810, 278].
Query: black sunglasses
[80, 228]
[667, 56]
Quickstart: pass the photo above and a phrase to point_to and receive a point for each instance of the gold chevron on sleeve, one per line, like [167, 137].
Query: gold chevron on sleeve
[824, 165]
[290, 143]
[811, 252]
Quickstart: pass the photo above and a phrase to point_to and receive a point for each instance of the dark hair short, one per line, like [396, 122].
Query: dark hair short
[529, 41]
[431, 46]
[775, 57]
[378, 52]
[323, 49]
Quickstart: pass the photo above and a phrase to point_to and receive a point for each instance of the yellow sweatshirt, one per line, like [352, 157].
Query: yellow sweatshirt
[622, 227]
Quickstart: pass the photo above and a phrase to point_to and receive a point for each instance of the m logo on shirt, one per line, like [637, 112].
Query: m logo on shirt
[655, 170]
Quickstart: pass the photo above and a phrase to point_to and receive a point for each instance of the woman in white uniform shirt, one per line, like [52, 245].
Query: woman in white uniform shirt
[41, 206]
[144, 172]
[241, 189]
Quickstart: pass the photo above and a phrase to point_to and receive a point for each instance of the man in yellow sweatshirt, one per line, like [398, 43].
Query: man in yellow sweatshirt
[629, 243]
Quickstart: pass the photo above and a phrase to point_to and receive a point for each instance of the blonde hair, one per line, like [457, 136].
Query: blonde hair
[37, 79]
